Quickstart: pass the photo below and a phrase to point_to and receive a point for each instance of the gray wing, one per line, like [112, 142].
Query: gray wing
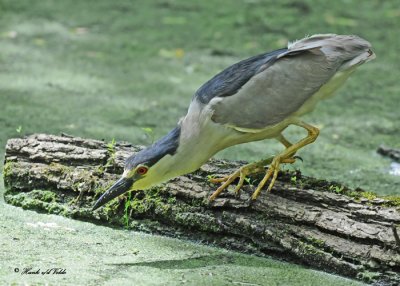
[274, 94]
[264, 90]
[230, 80]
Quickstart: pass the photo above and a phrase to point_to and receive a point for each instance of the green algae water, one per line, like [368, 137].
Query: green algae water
[112, 70]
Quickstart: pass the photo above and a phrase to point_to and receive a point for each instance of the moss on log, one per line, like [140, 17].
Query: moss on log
[313, 222]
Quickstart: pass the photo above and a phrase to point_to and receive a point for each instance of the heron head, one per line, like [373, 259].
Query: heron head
[146, 168]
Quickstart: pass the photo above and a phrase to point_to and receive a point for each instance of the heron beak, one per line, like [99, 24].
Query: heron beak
[121, 186]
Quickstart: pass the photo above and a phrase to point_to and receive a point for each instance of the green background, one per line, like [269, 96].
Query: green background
[107, 69]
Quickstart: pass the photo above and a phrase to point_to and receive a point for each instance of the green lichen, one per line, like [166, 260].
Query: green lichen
[99, 170]
[309, 249]
[110, 210]
[84, 183]
[7, 169]
[42, 195]
[311, 252]
[392, 201]
[358, 195]
[353, 194]
[55, 208]
[317, 242]
[368, 195]
[368, 276]
[99, 189]
[171, 200]
[48, 196]
[59, 168]
[307, 182]
[41, 200]
[138, 204]
[152, 200]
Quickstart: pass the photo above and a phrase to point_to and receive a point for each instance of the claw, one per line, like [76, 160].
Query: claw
[298, 157]
[218, 180]
[227, 182]
[273, 171]
[241, 173]
[240, 183]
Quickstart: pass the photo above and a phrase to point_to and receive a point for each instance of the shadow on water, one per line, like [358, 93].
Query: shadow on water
[201, 261]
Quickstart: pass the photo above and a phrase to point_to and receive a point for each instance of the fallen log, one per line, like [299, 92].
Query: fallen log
[321, 224]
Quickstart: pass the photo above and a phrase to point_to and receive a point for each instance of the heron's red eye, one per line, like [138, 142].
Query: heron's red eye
[141, 170]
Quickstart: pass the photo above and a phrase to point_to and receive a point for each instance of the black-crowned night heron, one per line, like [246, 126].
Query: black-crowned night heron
[252, 100]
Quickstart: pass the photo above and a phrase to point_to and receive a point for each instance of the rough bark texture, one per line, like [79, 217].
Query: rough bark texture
[313, 222]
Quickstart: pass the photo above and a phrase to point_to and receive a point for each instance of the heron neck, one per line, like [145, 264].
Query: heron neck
[198, 143]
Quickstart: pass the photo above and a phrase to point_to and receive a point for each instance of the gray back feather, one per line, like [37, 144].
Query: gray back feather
[230, 80]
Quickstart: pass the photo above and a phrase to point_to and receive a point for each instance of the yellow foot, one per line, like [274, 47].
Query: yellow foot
[241, 173]
[253, 168]
[287, 156]
[273, 171]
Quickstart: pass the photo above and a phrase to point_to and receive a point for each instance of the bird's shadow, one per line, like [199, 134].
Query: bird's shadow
[201, 261]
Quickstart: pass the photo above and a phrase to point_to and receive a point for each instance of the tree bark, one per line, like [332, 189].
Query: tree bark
[313, 222]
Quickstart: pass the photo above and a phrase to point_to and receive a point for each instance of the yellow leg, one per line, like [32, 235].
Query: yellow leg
[287, 144]
[284, 141]
[286, 157]
[247, 169]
